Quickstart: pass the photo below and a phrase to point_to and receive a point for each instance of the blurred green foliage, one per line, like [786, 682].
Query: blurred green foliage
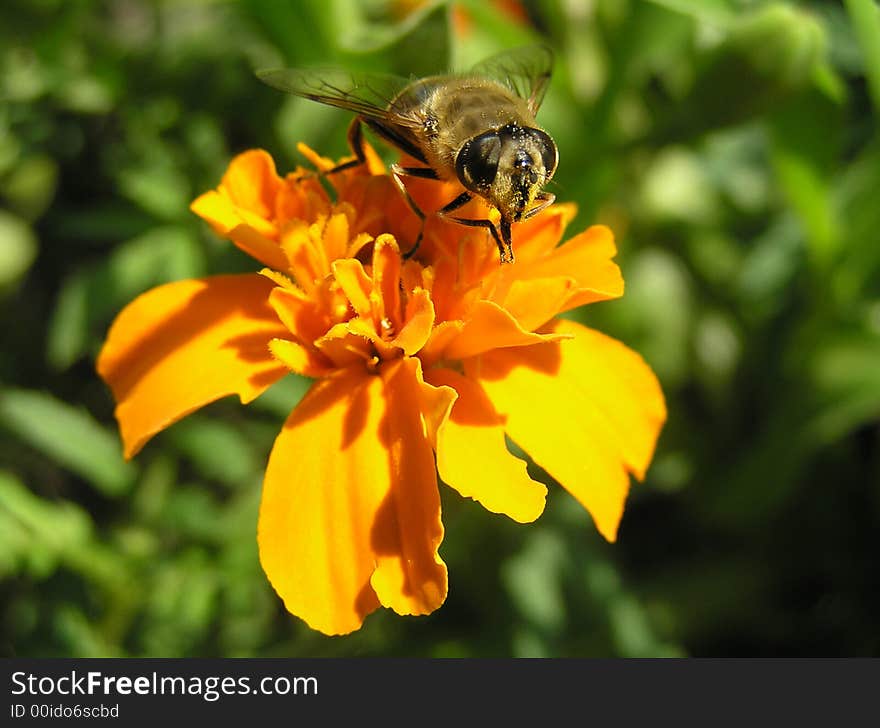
[731, 145]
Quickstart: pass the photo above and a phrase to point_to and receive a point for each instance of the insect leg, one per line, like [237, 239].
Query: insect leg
[546, 199]
[459, 201]
[397, 172]
[507, 251]
[423, 172]
[504, 248]
[356, 144]
[462, 199]
[502, 241]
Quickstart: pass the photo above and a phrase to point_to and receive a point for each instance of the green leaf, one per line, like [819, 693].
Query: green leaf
[283, 396]
[845, 374]
[102, 222]
[837, 390]
[31, 186]
[36, 534]
[768, 55]
[490, 28]
[662, 332]
[418, 45]
[865, 17]
[769, 267]
[805, 149]
[300, 30]
[89, 296]
[159, 189]
[80, 635]
[856, 194]
[676, 188]
[533, 579]
[160, 255]
[18, 248]
[182, 603]
[218, 450]
[67, 337]
[68, 436]
[715, 12]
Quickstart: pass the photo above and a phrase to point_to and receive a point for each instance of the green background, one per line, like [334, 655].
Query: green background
[731, 145]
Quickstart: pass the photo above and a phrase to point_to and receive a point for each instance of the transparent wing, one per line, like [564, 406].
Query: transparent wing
[525, 70]
[367, 94]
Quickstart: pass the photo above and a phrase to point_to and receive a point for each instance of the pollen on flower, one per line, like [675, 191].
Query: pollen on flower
[387, 327]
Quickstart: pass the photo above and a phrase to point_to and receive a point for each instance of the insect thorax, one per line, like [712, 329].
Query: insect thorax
[455, 110]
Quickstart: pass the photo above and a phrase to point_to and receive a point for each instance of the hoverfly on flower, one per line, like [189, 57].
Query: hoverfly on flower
[477, 128]
[423, 365]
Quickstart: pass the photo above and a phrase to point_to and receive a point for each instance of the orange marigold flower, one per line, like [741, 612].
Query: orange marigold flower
[422, 366]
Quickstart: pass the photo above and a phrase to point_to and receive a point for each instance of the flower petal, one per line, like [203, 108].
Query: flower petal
[344, 348]
[355, 283]
[335, 239]
[540, 234]
[587, 410]
[587, 258]
[304, 316]
[258, 246]
[243, 207]
[418, 323]
[253, 235]
[299, 359]
[302, 244]
[326, 478]
[220, 212]
[535, 301]
[491, 327]
[410, 576]
[374, 164]
[350, 516]
[301, 198]
[252, 182]
[472, 456]
[182, 345]
[386, 280]
[441, 336]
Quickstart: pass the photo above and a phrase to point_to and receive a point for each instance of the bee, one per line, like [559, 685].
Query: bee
[477, 128]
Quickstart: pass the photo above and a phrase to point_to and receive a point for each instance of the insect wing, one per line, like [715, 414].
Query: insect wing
[525, 70]
[367, 94]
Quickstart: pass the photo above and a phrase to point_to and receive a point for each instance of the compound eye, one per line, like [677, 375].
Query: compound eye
[547, 147]
[477, 162]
